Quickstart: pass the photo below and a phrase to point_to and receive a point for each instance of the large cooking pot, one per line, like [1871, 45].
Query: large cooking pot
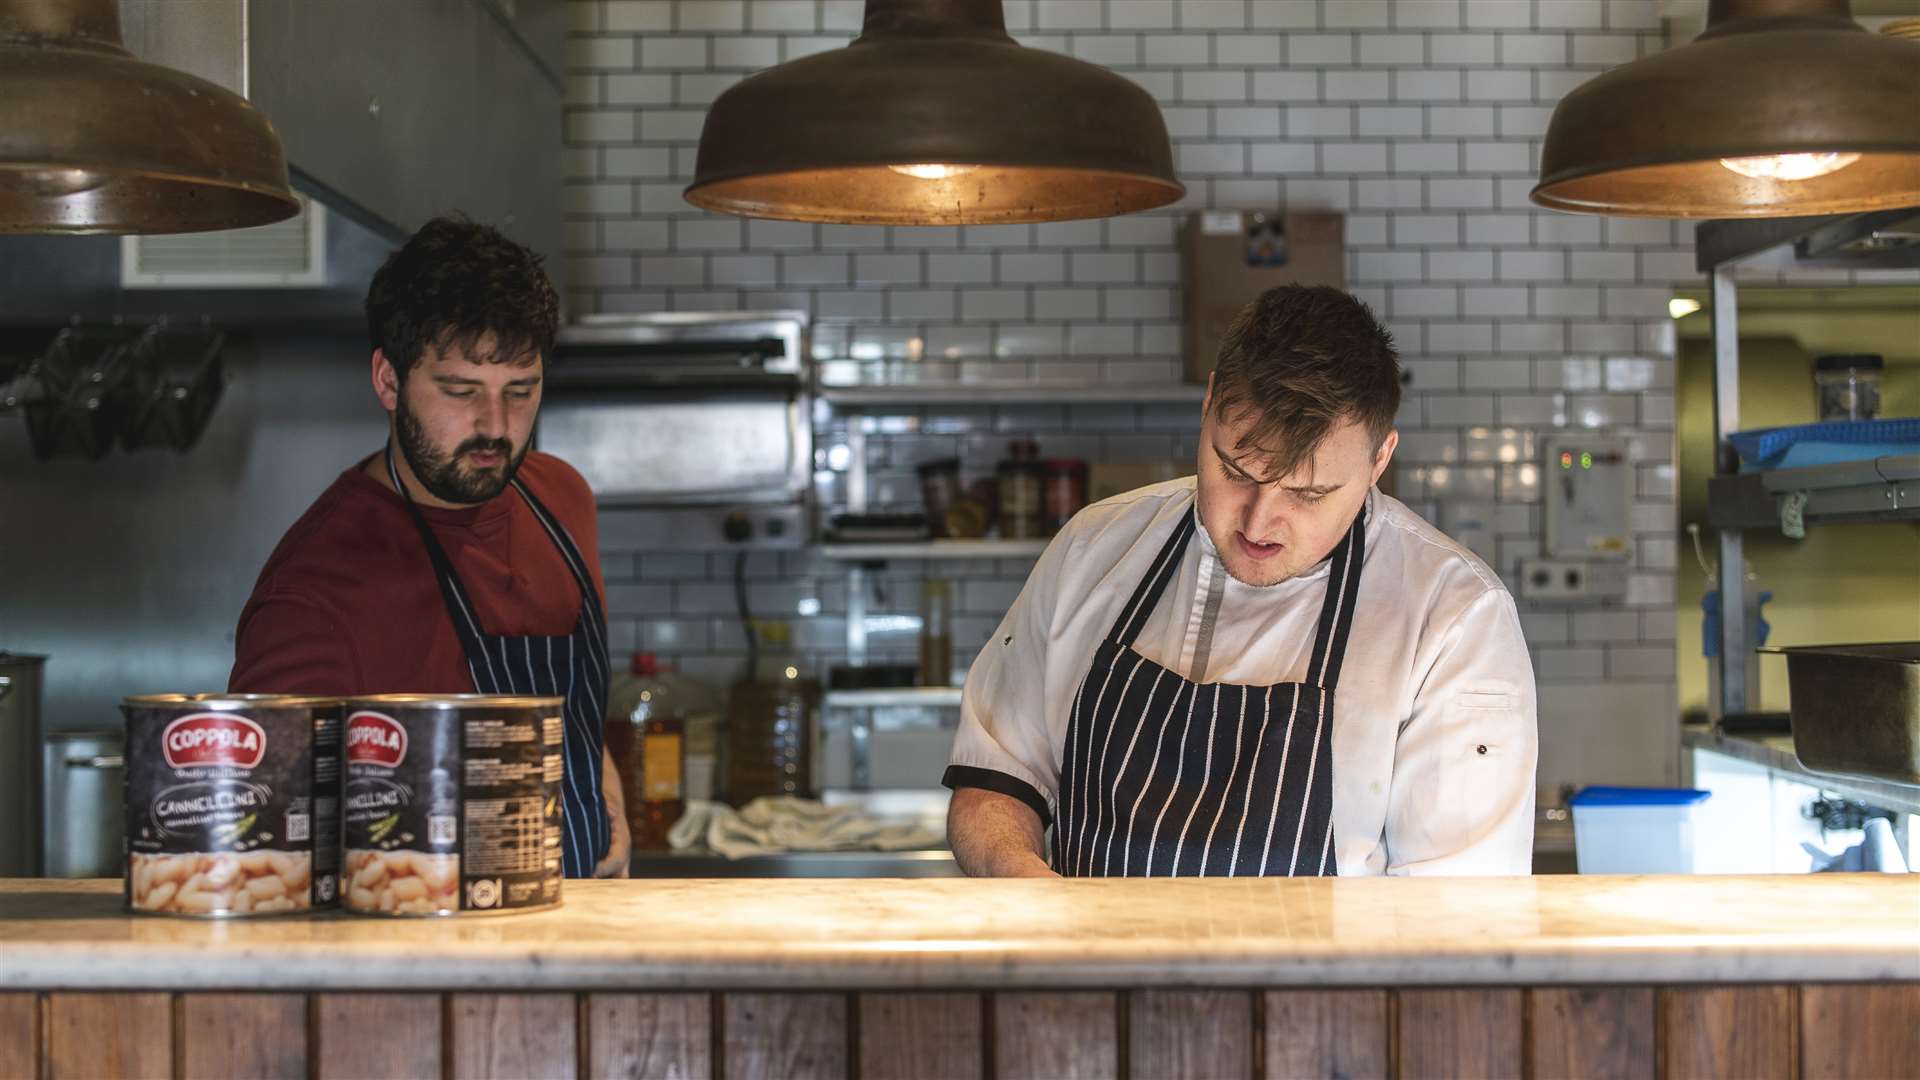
[1856, 708]
[20, 764]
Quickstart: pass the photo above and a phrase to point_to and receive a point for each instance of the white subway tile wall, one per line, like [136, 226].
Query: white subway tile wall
[1421, 119]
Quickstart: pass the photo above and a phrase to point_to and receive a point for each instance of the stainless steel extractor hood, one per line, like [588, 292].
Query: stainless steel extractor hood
[391, 113]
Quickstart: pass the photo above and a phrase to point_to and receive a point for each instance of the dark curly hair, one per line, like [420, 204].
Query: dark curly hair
[1300, 359]
[455, 284]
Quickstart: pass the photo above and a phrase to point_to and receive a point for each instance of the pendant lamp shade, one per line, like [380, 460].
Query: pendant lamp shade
[934, 116]
[1780, 108]
[95, 141]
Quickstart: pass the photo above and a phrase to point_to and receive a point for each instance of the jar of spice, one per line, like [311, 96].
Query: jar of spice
[1065, 490]
[1020, 480]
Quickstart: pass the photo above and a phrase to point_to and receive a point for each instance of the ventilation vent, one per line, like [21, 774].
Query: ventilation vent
[288, 254]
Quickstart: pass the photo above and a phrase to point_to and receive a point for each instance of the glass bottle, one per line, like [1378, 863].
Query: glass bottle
[646, 734]
[936, 632]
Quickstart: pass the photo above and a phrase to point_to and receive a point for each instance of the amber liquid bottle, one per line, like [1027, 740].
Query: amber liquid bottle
[647, 736]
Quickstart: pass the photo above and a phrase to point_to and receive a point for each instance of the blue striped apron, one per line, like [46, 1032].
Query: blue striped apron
[573, 667]
[1167, 777]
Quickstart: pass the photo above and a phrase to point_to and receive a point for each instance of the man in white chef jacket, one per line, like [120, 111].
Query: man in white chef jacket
[1270, 668]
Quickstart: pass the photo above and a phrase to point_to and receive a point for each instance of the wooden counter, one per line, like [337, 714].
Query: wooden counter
[1683, 976]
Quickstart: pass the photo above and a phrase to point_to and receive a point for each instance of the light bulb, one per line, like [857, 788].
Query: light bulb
[1682, 306]
[932, 172]
[1790, 166]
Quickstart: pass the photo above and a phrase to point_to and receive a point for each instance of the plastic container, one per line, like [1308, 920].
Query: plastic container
[647, 735]
[1847, 387]
[1629, 830]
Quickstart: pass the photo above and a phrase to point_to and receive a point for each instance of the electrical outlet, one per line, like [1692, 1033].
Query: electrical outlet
[1571, 579]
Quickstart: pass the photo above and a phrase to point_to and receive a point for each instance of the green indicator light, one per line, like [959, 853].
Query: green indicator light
[1586, 460]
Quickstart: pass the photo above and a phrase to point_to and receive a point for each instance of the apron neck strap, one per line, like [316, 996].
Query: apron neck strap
[1133, 617]
[1336, 612]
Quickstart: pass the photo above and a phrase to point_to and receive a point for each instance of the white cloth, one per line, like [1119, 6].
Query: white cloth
[1434, 735]
[774, 824]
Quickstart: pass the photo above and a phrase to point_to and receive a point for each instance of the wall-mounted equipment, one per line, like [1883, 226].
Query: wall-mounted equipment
[694, 430]
[1586, 485]
[95, 141]
[1780, 108]
[290, 254]
[934, 116]
[96, 386]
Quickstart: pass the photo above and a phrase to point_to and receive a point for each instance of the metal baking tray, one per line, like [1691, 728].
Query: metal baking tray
[1856, 708]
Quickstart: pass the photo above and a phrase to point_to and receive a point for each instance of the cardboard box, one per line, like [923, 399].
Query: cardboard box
[1233, 256]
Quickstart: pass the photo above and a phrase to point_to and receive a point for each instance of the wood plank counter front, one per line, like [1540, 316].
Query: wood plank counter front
[1540, 977]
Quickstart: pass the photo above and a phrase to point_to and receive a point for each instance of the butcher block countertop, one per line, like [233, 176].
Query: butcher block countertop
[906, 934]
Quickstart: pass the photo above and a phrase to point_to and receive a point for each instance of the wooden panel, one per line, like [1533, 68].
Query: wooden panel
[243, 1035]
[19, 1036]
[1327, 1033]
[119, 1035]
[1860, 1031]
[1744, 1031]
[636, 1036]
[1196, 1033]
[1598, 1032]
[785, 1036]
[361, 1035]
[1067, 1036]
[514, 1035]
[1450, 1033]
[921, 1036]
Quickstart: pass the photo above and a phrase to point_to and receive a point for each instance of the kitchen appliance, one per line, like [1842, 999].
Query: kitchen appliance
[19, 764]
[1856, 708]
[694, 430]
[84, 773]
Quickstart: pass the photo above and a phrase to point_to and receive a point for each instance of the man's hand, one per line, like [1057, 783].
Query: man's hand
[619, 858]
[995, 835]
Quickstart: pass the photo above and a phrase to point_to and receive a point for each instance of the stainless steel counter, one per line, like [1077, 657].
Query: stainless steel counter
[1776, 753]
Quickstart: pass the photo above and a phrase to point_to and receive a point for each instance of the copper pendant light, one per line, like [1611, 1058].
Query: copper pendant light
[1780, 108]
[934, 116]
[95, 141]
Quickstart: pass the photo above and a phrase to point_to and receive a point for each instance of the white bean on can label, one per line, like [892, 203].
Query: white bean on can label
[233, 804]
[452, 804]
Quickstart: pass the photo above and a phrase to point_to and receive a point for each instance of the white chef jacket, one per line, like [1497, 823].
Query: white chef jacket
[1434, 732]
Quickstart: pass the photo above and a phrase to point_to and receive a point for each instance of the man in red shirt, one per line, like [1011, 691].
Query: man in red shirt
[454, 561]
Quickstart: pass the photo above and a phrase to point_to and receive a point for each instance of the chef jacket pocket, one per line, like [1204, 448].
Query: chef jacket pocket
[1480, 719]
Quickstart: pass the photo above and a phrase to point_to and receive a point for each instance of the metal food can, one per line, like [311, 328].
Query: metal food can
[452, 804]
[233, 804]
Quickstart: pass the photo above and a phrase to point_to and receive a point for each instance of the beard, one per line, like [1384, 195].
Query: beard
[446, 476]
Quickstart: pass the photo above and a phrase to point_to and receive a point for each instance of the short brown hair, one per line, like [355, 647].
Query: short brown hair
[1300, 359]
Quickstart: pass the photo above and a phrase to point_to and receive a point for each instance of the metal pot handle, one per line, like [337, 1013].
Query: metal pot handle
[105, 761]
[6, 687]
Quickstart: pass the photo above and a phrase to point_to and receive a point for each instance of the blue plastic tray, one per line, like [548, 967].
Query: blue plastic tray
[1824, 444]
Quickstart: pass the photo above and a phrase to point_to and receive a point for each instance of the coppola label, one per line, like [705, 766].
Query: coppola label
[213, 739]
[375, 739]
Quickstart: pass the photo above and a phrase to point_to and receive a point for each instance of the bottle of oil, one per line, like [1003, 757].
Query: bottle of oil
[770, 722]
[646, 734]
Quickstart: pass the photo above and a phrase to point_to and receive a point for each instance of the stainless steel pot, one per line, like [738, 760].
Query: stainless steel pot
[1856, 708]
[20, 764]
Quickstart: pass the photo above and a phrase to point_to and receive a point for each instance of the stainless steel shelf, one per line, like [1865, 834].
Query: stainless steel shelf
[1009, 393]
[928, 697]
[934, 549]
[1882, 489]
[1776, 753]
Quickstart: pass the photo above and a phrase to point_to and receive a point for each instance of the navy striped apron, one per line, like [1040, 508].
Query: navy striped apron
[1167, 777]
[573, 667]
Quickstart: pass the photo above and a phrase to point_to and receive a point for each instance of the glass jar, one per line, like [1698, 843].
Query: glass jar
[1066, 491]
[1021, 482]
[1847, 387]
[939, 490]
